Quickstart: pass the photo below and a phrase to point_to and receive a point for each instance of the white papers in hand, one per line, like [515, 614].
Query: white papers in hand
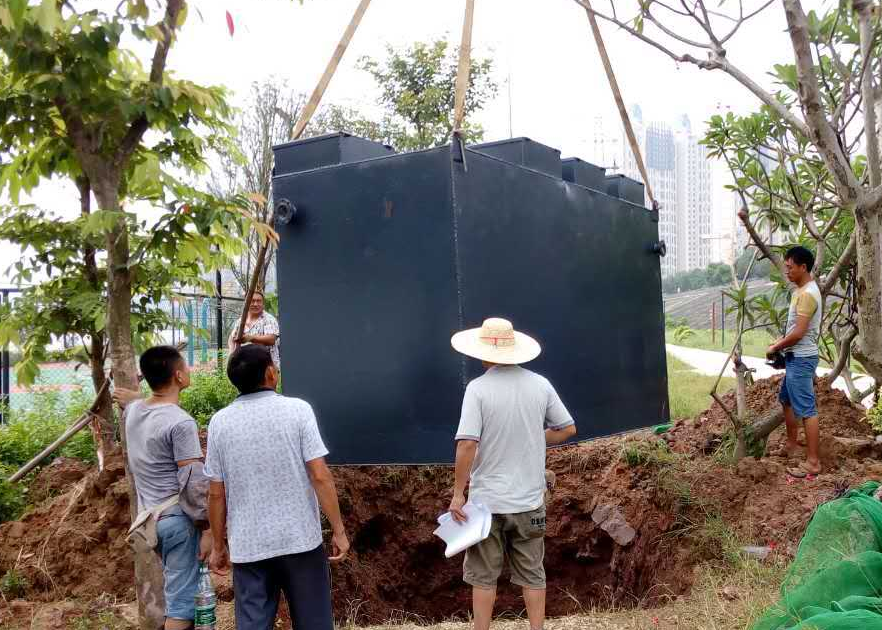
[461, 536]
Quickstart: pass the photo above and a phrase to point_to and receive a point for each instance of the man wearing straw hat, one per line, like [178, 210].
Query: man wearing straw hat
[509, 416]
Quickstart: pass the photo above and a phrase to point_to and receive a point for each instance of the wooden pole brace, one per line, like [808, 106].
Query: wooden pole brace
[331, 68]
[620, 103]
[465, 66]
[75, 428]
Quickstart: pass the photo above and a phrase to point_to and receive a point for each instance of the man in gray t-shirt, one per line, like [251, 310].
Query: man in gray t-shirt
[509, 416]
[266, 463]
[158, 436]
[161, 437]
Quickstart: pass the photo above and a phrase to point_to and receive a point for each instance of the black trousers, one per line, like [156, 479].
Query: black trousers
[304, 578]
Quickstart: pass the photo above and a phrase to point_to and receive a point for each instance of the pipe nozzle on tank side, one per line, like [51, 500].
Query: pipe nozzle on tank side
[285, 212]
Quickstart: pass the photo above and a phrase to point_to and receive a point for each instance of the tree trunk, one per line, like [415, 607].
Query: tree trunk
[104, 174]
[106, 433]
[148, 568]
[741, 408]
[868, 348]
[105, 405]
[765, 424]
[854, 394]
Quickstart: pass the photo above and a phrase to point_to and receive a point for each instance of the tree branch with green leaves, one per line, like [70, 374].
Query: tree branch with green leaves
[78, 103]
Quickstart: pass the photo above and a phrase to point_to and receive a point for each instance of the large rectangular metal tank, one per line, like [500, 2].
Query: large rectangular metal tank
[386, 257]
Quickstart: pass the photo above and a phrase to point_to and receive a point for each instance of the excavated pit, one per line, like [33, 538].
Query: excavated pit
[71, 545]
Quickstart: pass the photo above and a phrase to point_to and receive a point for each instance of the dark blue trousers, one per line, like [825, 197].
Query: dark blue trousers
[305, 579]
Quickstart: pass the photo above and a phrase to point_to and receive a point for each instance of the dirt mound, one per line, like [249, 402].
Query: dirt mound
[760, 500]
[685, 502]
[72, 545]
[57, 478]
[838, 417]
[841, 416]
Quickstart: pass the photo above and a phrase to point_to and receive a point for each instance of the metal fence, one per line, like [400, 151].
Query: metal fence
[5, 359]
[203, 322]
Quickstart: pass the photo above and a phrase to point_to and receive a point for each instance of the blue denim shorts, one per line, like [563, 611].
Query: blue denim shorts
[798, 388]
[179, 548]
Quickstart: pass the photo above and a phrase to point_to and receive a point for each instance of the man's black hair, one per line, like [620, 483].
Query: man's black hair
[247, 367]
[158, 365]
[801, 256]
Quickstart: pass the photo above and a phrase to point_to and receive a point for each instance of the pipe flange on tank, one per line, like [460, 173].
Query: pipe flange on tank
[660, 248]
[285, 212]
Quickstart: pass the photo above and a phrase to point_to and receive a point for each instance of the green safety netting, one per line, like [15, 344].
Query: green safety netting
[835, 581]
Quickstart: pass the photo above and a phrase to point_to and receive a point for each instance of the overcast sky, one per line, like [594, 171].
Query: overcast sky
[544, 46]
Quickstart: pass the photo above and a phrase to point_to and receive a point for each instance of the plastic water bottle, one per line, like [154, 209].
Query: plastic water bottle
[206, 601]
[760, 553]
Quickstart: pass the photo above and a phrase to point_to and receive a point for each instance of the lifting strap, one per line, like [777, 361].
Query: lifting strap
[465, 66]
[620, 103]
[319, 91]
[457, 145]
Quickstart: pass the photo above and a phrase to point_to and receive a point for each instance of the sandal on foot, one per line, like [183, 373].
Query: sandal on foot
[783, 452]
[799, 472]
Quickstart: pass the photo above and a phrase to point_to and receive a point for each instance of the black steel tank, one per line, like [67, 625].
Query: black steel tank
[384, 255]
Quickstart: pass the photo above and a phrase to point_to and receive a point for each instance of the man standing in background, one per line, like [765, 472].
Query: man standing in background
[800, 348]
[260, 328]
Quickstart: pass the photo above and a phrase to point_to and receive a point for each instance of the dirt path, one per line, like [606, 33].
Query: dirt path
[710, 362]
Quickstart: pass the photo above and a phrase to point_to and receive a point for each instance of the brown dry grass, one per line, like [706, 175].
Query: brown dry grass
[730, 598]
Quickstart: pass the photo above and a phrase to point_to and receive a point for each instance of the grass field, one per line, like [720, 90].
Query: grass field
[688, 392]
[754, 342]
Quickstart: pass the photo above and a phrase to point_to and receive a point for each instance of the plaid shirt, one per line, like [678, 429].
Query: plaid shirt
[266, 324]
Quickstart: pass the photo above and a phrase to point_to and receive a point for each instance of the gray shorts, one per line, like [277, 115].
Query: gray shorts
[518, 537]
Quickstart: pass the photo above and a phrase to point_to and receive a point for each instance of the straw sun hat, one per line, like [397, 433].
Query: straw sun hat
[496, 342]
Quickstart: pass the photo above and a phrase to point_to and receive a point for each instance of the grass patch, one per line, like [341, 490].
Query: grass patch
[647, 453]
[711, 536]
[13, 497]
[689, 392]
[13, 585]
[29, 431]
[104, 620]
[209, 392]
[754, 342]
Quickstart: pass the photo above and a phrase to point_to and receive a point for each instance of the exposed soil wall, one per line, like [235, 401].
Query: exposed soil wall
[72, 544]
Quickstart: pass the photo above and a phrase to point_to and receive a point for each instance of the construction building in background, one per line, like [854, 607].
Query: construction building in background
[695, 210]
[730, 237]
[680, 175]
